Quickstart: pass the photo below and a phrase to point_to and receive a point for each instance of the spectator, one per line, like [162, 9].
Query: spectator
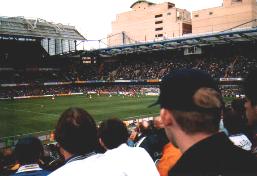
[76, 135]
[28, 152]
[53, 158]
[170, 154]
[191, 106]
[120, 159]
[9, 162]
[251, 103]
[143, 131]
[237, 129]
[237, 106]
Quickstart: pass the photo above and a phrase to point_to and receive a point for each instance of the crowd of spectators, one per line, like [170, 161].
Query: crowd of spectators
[232, 91]
[227, 90]
[156, 68]
[69, 89]
[129, 69]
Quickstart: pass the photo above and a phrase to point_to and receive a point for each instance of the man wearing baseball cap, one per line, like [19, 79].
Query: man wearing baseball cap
[191, 106]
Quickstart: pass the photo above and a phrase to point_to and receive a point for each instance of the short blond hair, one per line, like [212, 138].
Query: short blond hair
[205, 120]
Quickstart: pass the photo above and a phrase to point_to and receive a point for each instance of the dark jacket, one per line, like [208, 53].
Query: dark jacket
[215, 155]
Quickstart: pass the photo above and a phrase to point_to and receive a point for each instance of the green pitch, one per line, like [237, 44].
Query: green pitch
[41, 114]
[33, 115]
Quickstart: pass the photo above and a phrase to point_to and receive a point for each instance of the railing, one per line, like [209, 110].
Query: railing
[10, 141]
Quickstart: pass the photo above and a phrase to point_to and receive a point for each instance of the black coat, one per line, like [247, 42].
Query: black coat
[215, 155]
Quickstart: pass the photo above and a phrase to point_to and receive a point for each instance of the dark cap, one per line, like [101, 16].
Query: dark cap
[178, 88]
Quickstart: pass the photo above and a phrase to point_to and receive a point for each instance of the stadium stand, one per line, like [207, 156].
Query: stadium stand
[39, 65]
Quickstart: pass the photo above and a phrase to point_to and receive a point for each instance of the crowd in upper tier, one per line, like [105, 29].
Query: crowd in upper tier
[129, 69]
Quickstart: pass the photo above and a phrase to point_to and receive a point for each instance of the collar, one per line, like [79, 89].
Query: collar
[79, 157]
[121, 146]
[29, 168]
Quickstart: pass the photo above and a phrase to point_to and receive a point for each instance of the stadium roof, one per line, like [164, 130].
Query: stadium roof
[140, 1]
[37, 28]
[186, 41]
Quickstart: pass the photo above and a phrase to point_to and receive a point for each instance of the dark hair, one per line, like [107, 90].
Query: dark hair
[113, 133]
[234, 122]
[250, 86]
[76, 131]
[238, 105]
[28, 150]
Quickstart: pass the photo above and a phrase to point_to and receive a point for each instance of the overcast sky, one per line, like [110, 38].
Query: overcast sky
[92, 18]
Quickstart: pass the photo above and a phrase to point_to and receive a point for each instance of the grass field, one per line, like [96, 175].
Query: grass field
[33, 115]
[41, 114]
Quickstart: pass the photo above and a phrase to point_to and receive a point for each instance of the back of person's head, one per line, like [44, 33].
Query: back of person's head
[28, 150]
[76, 131]
[113, 132]
[194, 99]
[234, 122]
[250, 86]
[237, 105]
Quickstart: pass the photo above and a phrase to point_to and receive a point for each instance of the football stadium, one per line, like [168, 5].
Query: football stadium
[44, 71]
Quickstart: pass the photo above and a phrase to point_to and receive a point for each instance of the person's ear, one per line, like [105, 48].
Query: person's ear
[102, 143]
[166, 117]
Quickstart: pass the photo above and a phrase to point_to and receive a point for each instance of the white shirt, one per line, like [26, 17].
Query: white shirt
[128, 161]
[121, 161]
[241, 141]
[29, 168]
[83, 167]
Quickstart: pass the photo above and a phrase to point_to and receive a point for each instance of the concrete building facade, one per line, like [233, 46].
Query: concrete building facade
[149, 22]
[232, 14]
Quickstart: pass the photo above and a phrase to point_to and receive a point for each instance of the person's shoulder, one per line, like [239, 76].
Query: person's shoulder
[43, 173]
[139, 149]
[239, 161]
[77, 166]
[241, 141]
[245, 156]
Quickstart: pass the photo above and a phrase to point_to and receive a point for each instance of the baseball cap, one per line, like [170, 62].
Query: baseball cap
[179, 86]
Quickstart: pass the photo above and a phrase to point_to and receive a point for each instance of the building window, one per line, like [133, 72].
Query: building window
[210, 13]
[196, 16]
[159, 35]
[158, 22]
[159, 29]
[158, 16]
[186, 28]
[168, 13]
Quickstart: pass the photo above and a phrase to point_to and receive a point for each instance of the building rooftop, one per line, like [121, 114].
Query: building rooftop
[141, 1]
[37, 28]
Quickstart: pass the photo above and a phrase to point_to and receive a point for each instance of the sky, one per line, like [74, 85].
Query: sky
[91, 18]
